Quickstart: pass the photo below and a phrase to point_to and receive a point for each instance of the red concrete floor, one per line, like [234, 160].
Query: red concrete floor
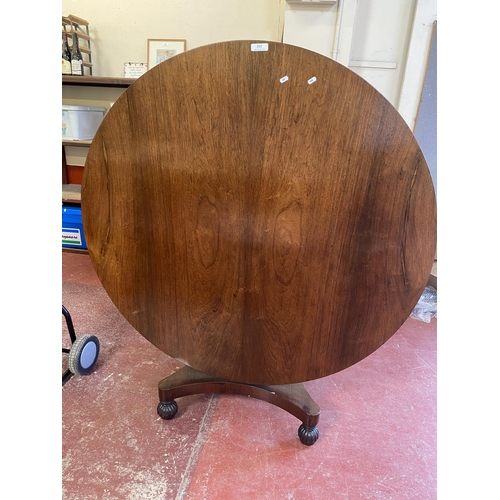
[377, 425]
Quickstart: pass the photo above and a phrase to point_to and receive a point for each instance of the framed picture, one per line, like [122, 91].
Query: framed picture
[160, 50]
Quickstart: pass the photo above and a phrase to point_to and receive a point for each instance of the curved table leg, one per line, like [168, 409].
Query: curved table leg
[292, 398]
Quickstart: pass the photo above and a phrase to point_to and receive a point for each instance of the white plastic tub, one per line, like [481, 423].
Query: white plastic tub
[81, 122]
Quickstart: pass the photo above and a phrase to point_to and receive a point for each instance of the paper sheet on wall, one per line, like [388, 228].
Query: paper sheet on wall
[135, 70]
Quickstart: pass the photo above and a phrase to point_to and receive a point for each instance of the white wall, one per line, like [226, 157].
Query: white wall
[381, 35]
[416, 65]
[384, 41]
[365, 35]
[120, 28]
[310, 27]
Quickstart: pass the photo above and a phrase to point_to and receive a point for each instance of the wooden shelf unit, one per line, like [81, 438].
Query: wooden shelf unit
[98, 81]
[72, 174]
[72, 142]
[71, 193]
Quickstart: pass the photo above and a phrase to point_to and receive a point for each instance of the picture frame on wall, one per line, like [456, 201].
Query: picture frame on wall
[160, 50]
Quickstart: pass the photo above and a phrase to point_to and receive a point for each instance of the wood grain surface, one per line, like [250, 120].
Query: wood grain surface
[258, 228]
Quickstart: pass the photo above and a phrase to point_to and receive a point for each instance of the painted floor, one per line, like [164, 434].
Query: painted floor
[377, 425]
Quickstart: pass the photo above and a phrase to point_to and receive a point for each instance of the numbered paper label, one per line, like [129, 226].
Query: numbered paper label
[259, 47]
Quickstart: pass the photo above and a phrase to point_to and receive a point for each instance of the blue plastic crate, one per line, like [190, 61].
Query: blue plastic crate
[72, 228]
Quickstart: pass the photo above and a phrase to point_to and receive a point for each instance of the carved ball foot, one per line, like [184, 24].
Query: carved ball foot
[308, 435]
[167, 410]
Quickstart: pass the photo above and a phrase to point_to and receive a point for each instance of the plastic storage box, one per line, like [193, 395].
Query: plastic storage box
[81, 122]
[72, 228]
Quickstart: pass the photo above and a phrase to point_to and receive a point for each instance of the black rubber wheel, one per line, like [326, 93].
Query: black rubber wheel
[83, 354]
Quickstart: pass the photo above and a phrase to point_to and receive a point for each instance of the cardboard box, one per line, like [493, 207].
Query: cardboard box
[72, 228]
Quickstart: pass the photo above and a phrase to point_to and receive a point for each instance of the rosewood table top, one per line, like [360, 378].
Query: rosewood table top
[264, 216]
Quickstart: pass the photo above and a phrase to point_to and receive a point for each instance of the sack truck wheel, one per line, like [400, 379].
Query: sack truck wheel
[83, 354]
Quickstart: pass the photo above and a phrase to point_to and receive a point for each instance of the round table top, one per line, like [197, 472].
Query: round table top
[260, 213]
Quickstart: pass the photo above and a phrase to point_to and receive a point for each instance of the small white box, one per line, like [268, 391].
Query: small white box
[81, 122]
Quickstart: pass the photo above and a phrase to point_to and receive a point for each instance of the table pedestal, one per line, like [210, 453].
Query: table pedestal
[292, 398]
